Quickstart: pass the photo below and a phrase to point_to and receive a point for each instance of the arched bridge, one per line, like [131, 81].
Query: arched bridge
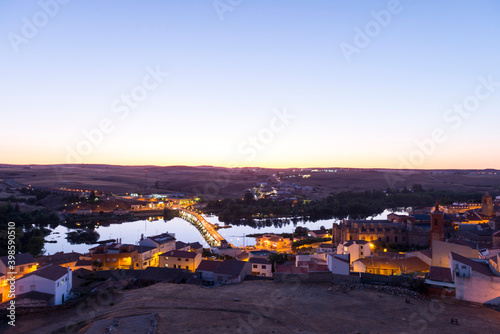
[213, 238]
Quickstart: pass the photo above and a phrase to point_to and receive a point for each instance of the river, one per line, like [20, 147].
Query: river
[130, 232]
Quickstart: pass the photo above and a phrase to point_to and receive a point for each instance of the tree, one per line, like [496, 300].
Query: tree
[249, 198]
[277, 258]
[169, 214]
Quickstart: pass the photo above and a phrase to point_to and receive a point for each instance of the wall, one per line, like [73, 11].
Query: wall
[441, 251]
[368, 278]
[337, 266]
[266, 271]
[478, 288]
[183, 263]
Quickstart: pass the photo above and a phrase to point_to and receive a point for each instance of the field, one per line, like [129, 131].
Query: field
[216, 182]
[268, 307]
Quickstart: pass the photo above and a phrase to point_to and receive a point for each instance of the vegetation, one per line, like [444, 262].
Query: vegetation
[31, 228]
[277, 258]
[169, 214]
[308, 241]
[83, 237]
[355, 205]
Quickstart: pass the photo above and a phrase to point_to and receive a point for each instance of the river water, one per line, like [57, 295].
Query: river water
[130, 232]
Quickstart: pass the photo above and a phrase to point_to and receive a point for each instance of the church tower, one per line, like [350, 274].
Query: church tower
[437, 224]
[487, 205]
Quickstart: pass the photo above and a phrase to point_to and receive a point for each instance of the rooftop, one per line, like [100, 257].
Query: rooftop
[143, 249]
[229, 267]
[58, 258]
[179, 253]
[206, 265]
[480, 267]
[440, 274]
[23, 258]
[259, 260]
[162, 238]
[35, 295]
[52, 272]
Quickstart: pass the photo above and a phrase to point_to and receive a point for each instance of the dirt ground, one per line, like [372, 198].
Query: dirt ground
[269, 307]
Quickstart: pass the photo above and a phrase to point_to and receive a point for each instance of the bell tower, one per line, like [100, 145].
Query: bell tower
[487, 205]
[437, 224]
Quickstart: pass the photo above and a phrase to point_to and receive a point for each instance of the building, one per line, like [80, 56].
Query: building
[206, 269]
[180, 259]
[196, 247]
[487, 205]
[325, 248]
[223, 272]
[261, 267]
[318, 234]
[391, 266]
[61, 259]
[437, 225]
[475, 280]
[231, 272]
[163, 242]
[338, 264]
[24, 263]
[51, 280]
[147, 256]
[354, 249]
[441, 251]
[273, 242]
[115, 256]
[383, 231]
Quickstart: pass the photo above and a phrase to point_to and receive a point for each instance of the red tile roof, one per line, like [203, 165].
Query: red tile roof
[52, 272]
[259, 260]
[206, 265]
[182, 254]
[482, 268]
[440, 274]
[23, 258]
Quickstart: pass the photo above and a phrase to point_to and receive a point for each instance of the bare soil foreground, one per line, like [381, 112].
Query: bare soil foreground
[265, 307]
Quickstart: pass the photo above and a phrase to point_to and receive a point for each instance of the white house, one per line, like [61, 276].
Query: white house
[475, 281]
[338, 264]
[206, 269]
[147, 257]
[356, 249]
[23, 264]
[223, 272]
[261, 267]
[52, 279]
[163, 242]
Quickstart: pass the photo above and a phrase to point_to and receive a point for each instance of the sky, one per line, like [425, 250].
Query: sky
[234, 83]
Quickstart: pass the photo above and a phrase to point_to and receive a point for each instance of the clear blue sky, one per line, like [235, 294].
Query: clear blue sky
[227, 77]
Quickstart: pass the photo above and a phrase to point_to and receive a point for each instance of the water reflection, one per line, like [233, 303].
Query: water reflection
[130, 232]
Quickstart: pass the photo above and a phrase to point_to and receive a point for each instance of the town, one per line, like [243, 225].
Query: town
[451, 250]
